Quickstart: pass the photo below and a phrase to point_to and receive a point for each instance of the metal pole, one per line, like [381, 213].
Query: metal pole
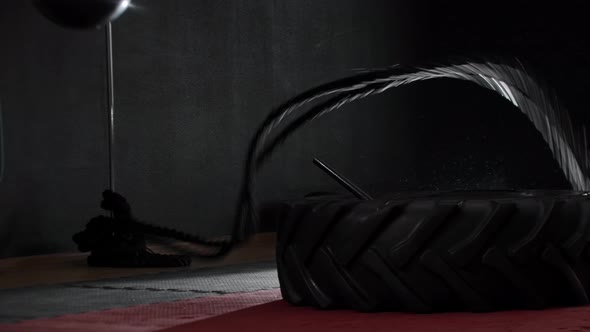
[111, 103]
[351, 187]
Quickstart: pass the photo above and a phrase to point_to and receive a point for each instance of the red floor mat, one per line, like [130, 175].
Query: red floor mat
[279, 316]
[149, 317]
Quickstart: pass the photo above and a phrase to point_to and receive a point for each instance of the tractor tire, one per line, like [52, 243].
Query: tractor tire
[435, 252]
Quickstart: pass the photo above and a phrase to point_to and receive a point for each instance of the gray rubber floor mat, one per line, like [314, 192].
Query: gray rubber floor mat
[50, 301]
[218, 280]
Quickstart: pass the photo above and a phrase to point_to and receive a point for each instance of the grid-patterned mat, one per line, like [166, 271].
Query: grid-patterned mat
[220, 280]
[50, 301]
[146, 318]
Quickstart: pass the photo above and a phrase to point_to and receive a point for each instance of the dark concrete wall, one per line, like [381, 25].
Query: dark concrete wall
[51, 90]
[192, 79]
[196, 78]
[480, 141]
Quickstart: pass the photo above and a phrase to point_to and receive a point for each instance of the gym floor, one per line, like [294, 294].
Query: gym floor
[240, 292]
[62, 293]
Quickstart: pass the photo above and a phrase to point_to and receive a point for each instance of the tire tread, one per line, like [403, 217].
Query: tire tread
[435, 253]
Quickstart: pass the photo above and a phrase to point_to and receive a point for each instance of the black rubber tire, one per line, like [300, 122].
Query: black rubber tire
[436, 252]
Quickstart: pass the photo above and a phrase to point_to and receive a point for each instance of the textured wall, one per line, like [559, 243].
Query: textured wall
[192, 80]
[195, 78]
[482, 142]
[51, 86]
